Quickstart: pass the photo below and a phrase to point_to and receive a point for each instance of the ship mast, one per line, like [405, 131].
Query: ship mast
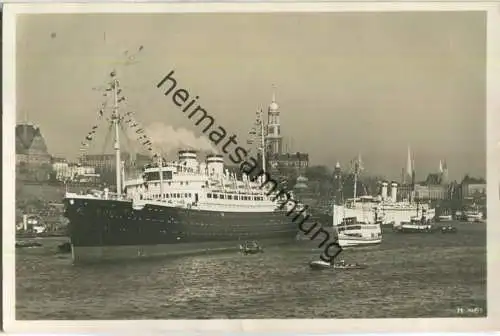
[116, 120]
[263, 140]
[160, 166]
[258, 131]
[355, 184]
[116, 123]
[357, 164]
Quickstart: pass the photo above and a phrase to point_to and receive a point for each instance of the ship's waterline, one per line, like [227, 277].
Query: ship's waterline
[102, 254]
[358, 243]
[111, 229]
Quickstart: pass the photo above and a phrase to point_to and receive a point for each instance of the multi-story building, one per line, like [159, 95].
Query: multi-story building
[105, 164]
[289, 163]
[102, 161]
[74, 172]
[473, 189]
[432, 192]
[108, 161]
[436, 186]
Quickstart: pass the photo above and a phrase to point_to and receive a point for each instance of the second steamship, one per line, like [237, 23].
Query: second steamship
[382, 208]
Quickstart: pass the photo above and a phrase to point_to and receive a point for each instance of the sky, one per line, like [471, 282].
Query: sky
[346, 83]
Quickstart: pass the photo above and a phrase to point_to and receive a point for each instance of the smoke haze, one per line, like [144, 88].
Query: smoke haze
[167, 139]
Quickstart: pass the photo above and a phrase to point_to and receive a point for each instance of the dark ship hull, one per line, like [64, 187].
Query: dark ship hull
[103, 230]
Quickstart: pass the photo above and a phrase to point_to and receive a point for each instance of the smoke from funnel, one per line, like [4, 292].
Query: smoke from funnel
[166, 139]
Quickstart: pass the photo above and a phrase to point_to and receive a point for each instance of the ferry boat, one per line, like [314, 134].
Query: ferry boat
[360, 229]
[177, 207]
[358, 233]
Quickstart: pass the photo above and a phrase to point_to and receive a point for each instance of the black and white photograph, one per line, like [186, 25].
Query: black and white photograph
[257, 162]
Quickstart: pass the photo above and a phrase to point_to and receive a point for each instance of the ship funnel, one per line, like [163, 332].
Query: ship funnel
[384, 190]
[215, 164]
[203, 168]
[188, 159]
[25, 222]
[394, 192]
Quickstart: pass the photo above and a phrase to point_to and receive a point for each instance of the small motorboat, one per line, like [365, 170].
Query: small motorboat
[251, 247]
[64, 248]
[27, 244]
[448, 229]
[319, 265]
[347, 266]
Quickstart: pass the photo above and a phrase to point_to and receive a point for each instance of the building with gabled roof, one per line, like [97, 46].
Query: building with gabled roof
[31, 148]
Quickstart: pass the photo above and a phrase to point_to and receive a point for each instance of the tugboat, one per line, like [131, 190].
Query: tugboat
[416, 225]
[251, 247]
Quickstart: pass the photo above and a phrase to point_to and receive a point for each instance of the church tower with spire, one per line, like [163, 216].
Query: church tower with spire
[443, 171]
[279, 162]
[273, 138]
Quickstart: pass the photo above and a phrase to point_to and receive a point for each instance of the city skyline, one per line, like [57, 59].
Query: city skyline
[393, 87]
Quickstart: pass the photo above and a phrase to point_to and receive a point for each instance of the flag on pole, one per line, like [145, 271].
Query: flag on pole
[357, 164]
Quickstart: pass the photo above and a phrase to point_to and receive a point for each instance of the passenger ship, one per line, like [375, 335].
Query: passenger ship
[386, 210]
[175, 208]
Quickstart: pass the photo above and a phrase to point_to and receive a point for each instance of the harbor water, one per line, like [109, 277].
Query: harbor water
[408, 275]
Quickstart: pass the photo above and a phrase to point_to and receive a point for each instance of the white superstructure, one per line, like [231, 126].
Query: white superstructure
[384, 211]
[202, 186]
